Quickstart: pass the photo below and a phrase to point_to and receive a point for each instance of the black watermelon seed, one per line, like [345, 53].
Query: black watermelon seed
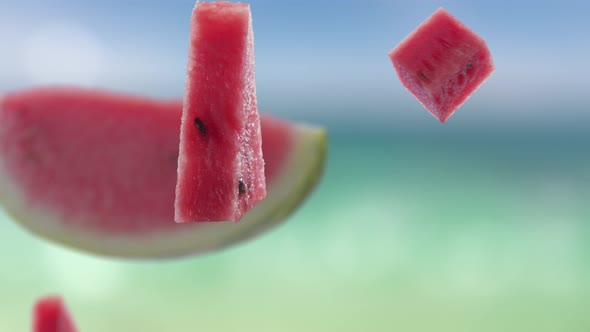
[242, 187]
[445, 43]
[423, 77]
[201, 126]
[469, 66]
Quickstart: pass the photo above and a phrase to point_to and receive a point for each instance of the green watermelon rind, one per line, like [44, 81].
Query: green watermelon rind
[300, 193]
[286, 192]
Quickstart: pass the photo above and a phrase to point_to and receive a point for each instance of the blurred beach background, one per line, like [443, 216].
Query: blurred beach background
[480, 224]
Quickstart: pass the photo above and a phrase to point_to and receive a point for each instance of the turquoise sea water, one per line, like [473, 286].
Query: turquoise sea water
[409, 231]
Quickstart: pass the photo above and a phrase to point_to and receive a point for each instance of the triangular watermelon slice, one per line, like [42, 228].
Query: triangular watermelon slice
[51, 315]
[221, 165]
[97, 171]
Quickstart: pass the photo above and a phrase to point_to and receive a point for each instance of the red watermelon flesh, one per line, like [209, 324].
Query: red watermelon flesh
[97, 171]
[51, 315]
[442, 63]
[220, 166]
[64, 138]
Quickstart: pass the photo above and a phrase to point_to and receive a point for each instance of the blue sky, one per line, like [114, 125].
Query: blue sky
[321, 59]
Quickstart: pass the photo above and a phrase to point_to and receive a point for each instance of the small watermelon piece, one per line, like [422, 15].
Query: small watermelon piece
[442, 63]
[51, 315]
[220, 166]
[96, 171]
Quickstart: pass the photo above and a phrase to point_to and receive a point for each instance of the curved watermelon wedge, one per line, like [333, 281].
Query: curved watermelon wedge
[96, 171]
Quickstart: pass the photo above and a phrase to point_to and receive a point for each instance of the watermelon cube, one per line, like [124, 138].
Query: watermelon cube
[442, 63]
[220, 165]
